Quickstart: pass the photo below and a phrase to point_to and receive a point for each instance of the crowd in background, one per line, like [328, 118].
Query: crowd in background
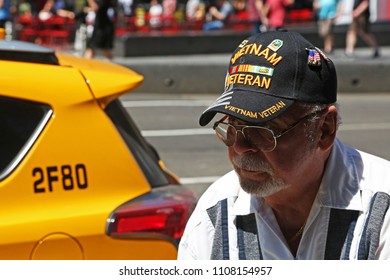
[153, 12]
[92, 24]
[121, 16]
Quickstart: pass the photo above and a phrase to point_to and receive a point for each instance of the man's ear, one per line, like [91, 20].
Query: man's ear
[328, 128]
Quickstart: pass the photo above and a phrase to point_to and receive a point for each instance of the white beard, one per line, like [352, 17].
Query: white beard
[258, 189]
[264, 189]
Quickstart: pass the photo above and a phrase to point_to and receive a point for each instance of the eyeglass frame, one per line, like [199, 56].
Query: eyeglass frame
[278, 135]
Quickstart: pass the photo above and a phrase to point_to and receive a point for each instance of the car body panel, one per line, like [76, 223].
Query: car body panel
[97, 73]
[56, 201]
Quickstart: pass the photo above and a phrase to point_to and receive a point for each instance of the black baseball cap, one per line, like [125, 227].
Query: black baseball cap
[270, 71]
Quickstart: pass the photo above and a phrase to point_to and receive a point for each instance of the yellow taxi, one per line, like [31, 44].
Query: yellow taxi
[77, 179]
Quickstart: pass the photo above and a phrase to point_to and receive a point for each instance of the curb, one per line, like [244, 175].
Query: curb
[206, 73]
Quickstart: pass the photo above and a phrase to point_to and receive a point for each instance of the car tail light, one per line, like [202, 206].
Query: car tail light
[164, 210]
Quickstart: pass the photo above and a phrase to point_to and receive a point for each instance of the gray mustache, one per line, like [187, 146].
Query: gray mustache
[251, 163]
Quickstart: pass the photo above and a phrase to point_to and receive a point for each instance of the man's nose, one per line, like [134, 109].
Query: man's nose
[242, 145]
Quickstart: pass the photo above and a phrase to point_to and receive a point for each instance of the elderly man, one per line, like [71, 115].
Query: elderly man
[296, 192]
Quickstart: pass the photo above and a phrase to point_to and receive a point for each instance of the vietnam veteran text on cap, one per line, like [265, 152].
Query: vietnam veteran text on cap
[268, 72]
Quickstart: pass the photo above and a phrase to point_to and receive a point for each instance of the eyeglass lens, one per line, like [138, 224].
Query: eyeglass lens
[261, 138]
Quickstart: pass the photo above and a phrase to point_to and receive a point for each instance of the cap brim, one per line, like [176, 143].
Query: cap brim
[247, 106]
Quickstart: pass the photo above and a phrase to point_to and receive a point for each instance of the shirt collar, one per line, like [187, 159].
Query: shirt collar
[244, 204]
[340, 184]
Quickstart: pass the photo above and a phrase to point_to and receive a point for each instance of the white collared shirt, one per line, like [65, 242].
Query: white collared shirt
[351, 179]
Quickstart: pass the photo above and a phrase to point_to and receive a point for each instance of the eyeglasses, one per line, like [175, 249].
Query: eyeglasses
[260, 137]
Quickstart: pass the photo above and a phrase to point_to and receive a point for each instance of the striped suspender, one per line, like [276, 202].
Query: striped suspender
[219, 217]
[339, 237]
[341, 228]
[370, 239]
[247, 236]
[340, 233]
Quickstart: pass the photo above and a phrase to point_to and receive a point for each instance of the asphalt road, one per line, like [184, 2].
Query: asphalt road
[170, 123]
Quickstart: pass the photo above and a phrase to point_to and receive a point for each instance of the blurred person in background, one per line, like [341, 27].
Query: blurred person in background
[155, 13]
[360, 26]
[64, 8]
[195, 10]
[217, 14]
[103, 34]
[239, 5]
[276, 11]
[5, 12]
[327, 11]
[127, 7]
[257, 15]
[53, 8]
[24, 9]
[169, 9]
[47, 11]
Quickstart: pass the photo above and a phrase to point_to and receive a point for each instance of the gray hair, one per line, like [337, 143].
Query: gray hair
[317, 108]
[313, 108]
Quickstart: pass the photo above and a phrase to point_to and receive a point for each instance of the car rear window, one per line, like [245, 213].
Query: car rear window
[145, 154]
[21, 122]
